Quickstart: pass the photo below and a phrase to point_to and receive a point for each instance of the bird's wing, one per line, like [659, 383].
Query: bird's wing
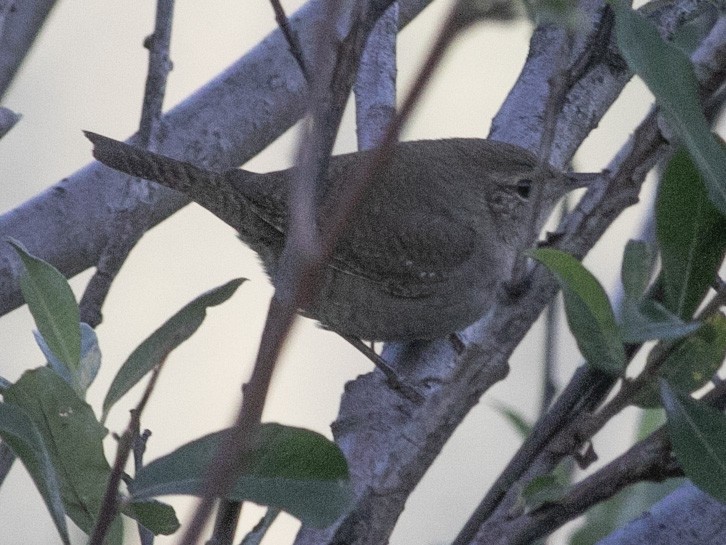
[410, 253]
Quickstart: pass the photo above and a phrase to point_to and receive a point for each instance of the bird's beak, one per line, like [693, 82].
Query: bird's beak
[581, 179]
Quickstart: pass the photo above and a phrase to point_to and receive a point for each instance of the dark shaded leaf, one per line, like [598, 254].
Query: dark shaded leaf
[698, 435]
[296, 470]
[53, 306]
[19, 432]
[668, 73]
[544, 489]
[588, 311]
[692, 362]
[636, 270]
[157, 517]
[691, 236]
[72, 436]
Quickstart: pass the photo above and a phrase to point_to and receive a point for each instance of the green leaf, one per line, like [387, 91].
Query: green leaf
[691, 236]
[562, 13]
[636, 270]
[72, 436]
[692, 362]
[544, 489]
[82, 377]
[650, 320]
[159, 344]
[21, 435]
[158, 517]
[52, 304]
[588, 311]
[644, 319]
[296, 470]
[698, 435]
[668, 73]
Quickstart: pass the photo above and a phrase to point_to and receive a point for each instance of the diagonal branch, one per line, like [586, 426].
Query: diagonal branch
[20, 23]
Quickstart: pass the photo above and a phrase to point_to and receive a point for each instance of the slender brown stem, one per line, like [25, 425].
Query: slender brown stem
[109, 505]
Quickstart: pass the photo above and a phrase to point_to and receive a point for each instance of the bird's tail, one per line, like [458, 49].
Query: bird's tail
[141, 163]
[209, 189]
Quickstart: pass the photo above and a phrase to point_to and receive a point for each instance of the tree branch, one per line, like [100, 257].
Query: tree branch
[685, 517]
[22, 22]
[139, 192]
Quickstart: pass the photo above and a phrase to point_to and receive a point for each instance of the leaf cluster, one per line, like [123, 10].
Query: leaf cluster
[59, 439]
[691, 346]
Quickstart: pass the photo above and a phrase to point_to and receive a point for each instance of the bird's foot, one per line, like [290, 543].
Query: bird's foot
[395, 383]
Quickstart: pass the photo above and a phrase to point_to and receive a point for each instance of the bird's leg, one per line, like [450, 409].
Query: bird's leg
[394, 382]
[457, 343]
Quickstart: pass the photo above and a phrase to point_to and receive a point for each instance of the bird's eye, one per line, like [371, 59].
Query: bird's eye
[524, 187]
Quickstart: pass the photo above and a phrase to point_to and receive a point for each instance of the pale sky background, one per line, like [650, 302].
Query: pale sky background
[87, 71]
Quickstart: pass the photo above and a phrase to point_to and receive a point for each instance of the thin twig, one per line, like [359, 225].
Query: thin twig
[380, 157]
[138, 448]
[158, 44]
[375, 84]
[109, 505]
[408, 391]
[549, 388]
[118, 248]
[300, 257]
[651, 459]
[291, 37]
[585, 389]
[19, 26]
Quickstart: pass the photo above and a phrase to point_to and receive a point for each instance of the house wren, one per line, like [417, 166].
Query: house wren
[426, 247]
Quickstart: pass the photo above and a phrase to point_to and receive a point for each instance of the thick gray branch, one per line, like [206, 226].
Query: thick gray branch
[685, 517]
[20, 22]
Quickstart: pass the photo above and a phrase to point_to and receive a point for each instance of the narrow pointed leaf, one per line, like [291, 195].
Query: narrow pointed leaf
[636, 269]
[296, 470]
[19, 432]
[53, 306]
[72, 436]
[698, 435]
[691, 236]
[159, 344]
[588, 311]
[669, 75]
[650, 320]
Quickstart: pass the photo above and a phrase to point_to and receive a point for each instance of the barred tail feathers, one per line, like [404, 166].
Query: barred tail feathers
[209, 189]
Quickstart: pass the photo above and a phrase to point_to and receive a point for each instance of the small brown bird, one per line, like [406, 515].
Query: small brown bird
[427, 246]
